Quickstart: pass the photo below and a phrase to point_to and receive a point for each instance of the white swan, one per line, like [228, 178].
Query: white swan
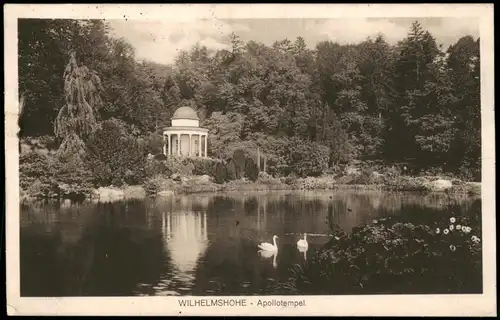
[265, 246]
[302, 243]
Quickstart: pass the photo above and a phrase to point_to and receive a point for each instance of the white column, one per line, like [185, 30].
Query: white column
[205, 226]
[169, 137]
[199, 145]
[206, 140]
[190, 144]
[178, 144]
[164, 145]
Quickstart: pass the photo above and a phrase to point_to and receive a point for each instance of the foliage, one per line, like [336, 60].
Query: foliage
[309, 159]
[204, 166]
[155, 167]
[154, 144]
[391, 256]
[50, 176]
[115, 157]
[157, 183]
[369, 100]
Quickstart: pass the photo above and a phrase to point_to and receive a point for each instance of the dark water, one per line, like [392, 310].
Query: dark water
[193, 244]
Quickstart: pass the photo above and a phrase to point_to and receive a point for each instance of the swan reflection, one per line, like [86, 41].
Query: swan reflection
[185, 236]
[303, 250]
[268, 254]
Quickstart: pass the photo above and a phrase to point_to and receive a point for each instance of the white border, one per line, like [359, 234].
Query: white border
[391, 305]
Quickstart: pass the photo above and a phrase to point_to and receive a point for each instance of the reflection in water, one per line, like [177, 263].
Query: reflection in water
[195, 244]
[269, 254]
[303, 250]
[185, 236]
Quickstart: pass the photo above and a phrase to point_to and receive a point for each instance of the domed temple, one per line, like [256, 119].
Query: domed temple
[185, 137]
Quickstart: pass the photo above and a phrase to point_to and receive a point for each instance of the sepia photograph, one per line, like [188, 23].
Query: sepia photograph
[257, 162]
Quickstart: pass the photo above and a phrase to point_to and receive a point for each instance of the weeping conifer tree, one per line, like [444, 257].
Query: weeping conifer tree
[77, 119]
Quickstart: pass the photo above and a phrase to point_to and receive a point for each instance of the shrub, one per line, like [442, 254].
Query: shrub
[47, 176]
[156, 184]
[153, 143]
[186, 168]
[36, 175]
[311, 183]
[220, 173]
[406, 183]
[394, 255]
[75, 178]
[251, 170]
[204, 166]
[365, 177]
[160, 157]
[309, 158]
[290, 180]
[156, 167]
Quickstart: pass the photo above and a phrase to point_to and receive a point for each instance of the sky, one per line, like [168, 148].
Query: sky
[161, 41]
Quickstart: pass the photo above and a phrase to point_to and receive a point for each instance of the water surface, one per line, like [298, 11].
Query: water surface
[200, 244]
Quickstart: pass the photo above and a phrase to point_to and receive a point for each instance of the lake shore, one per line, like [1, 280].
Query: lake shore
[165, 186]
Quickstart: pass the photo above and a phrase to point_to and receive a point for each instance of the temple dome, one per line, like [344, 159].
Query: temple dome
[185, 113]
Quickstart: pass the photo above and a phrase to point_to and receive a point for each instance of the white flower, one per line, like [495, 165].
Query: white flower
[452, 220]
[437, 230]
[459, 227]
[475, 239]
[446, 231]
[375, 221]
[451, 228]
[453, 248]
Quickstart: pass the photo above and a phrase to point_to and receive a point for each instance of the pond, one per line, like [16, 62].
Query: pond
[199, 244]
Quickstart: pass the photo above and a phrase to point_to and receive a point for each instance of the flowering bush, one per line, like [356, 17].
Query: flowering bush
[391, 255]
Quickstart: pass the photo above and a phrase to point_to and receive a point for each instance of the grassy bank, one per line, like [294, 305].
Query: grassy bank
[165, 186]
[198, 184]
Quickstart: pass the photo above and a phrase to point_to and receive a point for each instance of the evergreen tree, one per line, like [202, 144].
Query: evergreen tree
[77, 118]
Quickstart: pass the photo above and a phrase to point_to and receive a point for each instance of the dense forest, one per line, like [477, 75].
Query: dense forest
[413, 102]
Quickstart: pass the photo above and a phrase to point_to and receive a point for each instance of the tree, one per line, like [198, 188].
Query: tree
[230, 170]
[77, 118]
[114, 156]
[220, 173]
[239, 163]
[251, 170]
